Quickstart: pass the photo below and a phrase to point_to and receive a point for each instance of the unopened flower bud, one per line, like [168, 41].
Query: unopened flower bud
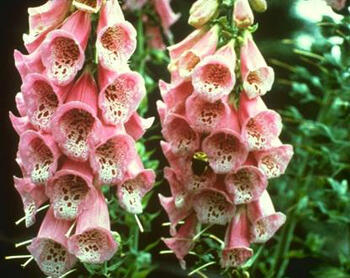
[259, 6]
[202, 11]
[242, 14]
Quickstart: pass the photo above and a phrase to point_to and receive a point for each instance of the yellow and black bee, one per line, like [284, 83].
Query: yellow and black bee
[200, 163]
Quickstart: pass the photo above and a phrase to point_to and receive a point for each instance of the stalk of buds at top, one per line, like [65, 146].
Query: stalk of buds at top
[221, 156]
[202, 11]
[76, 134]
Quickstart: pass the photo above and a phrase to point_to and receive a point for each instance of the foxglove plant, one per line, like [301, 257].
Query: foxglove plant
[78, 136]
[222, 142]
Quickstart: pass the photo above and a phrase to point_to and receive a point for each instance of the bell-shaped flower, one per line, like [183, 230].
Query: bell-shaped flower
[213, 206]
[30, 63]
[237, 241]
[205, 116]
[189, 59]
[246, 184]
[116, 37]
[175, 214]
[257, 77]
[226, 150]
[32, 195]
[42, 19]
[93, 240]
[69, 189]
[49, 248]
[273, 162]
[39, 155]
[131, 191]
[154, 37]
[136, 126]
[182, 138]
[202, 11]
[62, 52]
[90, 6]
[166, 14]
[42, 98]
[110, 157]
[182, 242]
[214, 77]
[242, 14]
[260, 126]
[75, 123]
[120, 97]
[264, 219]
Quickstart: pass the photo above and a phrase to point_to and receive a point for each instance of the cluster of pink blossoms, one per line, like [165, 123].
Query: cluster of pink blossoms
[239, 147]
[75, 135]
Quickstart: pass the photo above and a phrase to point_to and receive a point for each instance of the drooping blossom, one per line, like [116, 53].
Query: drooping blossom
[167, 16]
[202, 11]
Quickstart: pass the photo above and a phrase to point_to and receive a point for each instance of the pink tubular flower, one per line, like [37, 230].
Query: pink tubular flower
[260, 126]
[166, 14]
[182, 242]
[174, 96]
[213, 206]
[43, 19]
[257, 76]
[93, 241]
[154, 37]
[62, 52]
[202, 11]
[39, 155]
[204, 116]
[225, 149]
[237, 241]
[242, 14]
[90, 6]
[214, 77]
[116, 38]
[273, 162]
[49, 248]
[179, 134]
[70, 189]
[20, 124]
[246, 184]
[189, 59]
[109, 159]
[131, 191]
[136, 126]
[42, 99]
[30, 63]
[265, 221]
[33, 196]
[120, 98]
[75, 123]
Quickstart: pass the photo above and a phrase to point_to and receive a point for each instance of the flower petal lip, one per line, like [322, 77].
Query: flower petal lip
[42, 99]
[88, 6]
[49, 248]
[62, 52]
[265, 221]
[110, 157]
[174, 95]
[20, 104]
[213, 206]
[39, 155]
[30, 63]
[131, 191]
[183, 140]
[93, 241]
[246, 184]
[225, 149]
[119, 99]
[69, 189]
[136, 126]
[237, 241]
[33, 196]
[274, 161]
[20, 124]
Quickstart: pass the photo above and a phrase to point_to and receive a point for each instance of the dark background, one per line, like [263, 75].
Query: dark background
[276, 24]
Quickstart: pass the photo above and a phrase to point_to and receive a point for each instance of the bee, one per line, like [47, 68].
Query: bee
[200, 163]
